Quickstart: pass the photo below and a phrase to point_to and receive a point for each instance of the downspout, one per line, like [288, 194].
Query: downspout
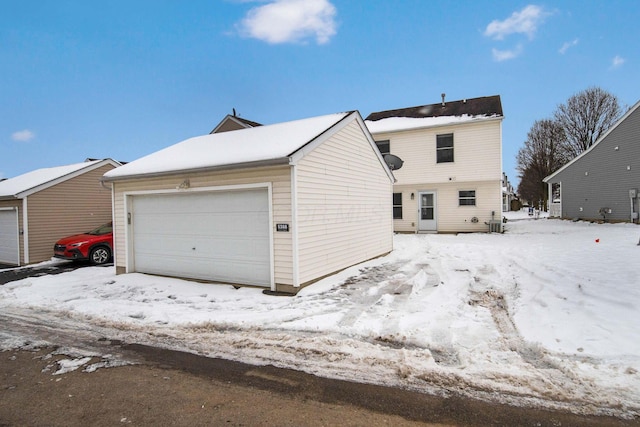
[25, 231]
[113, 222]
[294, 228]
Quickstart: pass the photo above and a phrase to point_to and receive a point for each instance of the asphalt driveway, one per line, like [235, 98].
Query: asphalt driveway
[10, 273]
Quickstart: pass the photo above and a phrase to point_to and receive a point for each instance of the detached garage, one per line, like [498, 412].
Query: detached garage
[275, 206]
[44, 205]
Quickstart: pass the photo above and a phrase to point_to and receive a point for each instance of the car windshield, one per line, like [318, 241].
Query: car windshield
[103, 229]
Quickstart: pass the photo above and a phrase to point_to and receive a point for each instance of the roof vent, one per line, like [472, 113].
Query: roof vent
[443, 95]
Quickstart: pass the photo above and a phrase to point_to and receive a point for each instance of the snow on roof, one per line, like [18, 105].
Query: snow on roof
[21, 183]
[393, 124]
[262, 143]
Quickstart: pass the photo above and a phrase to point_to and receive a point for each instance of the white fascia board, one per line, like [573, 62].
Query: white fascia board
[299, 154]
[229, 117]
[295, 158]
[66, 177]
[372, 142]
[585, 152]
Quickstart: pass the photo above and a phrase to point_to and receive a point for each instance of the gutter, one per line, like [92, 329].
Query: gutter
[245, 165]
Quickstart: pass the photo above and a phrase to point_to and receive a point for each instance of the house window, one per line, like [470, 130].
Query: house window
[467, 198]
[444, 148]
[397, 205]
[384, 146]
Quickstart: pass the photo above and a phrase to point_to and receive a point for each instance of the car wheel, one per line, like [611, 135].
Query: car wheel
[99, 255]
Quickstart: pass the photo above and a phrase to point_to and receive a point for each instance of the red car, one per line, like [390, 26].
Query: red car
[95, 246]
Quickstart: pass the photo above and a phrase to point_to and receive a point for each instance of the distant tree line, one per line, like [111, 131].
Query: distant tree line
[551, 143]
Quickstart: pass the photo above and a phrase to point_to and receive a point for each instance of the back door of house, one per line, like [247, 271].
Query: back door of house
[427, 220]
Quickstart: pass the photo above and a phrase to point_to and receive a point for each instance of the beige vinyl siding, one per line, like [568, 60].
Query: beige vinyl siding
[451, 217]
[409, 221]
[477, 166]
[477, 153]
[230, 125]
[17, 204]
[344, 205]
[455, 218]
[279, 177]
[74, 206]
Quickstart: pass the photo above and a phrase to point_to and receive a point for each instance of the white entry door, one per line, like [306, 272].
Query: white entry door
[219, 236]
[9, 237]
[427, 220]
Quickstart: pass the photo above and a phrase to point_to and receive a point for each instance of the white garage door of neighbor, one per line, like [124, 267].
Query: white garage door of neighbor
[215, 236]
[9, 243]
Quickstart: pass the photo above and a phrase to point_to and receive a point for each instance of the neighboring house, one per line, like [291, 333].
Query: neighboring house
[275, 206]
[233, 122]
[42, 206]
[508, 193]
[602, 183]
[451, 179]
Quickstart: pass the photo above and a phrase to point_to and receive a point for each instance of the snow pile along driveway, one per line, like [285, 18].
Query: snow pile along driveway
[546, 314]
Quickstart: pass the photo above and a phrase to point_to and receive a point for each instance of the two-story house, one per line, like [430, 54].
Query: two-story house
[451, 178]
[602, 182]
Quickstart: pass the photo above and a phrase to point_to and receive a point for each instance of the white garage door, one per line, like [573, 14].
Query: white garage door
[216, 236]
[9, 244]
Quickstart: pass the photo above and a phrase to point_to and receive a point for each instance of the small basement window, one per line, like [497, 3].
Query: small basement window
[397, 205]
[467, 198]
[444, 148]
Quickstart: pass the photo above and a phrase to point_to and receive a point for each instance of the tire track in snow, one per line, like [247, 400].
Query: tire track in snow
[554, 377]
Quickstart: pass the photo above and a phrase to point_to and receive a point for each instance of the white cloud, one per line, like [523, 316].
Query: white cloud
[23, 135]
[567, 45]
[287, 21]
[617, 61]
[504, 55]
[525, 21]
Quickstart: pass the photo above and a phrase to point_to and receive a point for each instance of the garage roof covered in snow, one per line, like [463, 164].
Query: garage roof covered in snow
[256, 146]
[39, 179]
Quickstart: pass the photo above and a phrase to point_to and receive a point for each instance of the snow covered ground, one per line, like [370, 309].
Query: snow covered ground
[546, 314]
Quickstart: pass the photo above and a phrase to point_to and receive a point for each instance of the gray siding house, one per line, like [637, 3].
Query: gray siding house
[602, 183]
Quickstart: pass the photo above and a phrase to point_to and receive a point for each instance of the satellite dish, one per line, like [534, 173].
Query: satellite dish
[394, 162]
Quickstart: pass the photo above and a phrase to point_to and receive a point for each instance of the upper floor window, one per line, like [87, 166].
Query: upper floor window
[444, 148]
[467, 198]
[397, 205]
[384, 146]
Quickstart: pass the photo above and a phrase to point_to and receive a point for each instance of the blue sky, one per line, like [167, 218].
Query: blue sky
[123, 79]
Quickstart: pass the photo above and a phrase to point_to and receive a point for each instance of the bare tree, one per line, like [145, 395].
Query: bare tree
[542, 154]
[585, 117]
[531, 187]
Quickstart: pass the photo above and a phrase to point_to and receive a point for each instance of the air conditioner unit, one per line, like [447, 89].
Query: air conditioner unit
[495, 226]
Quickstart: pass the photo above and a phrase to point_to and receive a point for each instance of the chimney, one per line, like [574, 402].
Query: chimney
[443, 95]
